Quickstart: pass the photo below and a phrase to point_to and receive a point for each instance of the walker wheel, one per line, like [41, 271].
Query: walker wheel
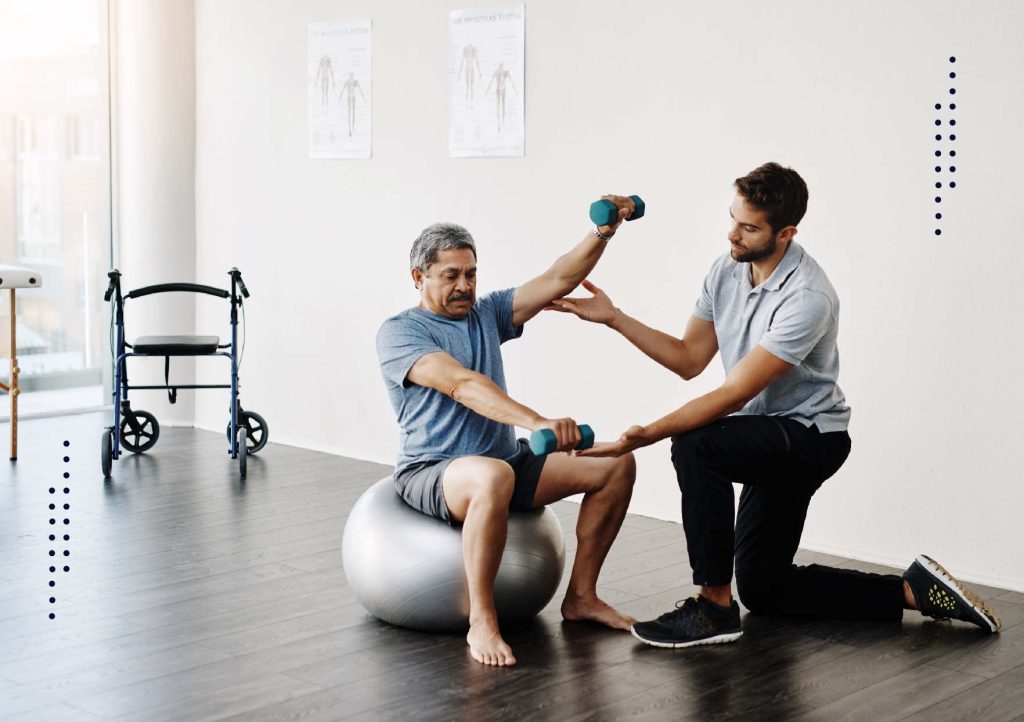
[257, 431]
[243, 453]
[107, 452]
[141, 440]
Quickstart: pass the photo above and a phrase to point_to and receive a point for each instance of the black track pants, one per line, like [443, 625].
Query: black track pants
[780, 463]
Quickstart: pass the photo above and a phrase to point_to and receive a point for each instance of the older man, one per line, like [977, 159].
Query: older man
[460, 460]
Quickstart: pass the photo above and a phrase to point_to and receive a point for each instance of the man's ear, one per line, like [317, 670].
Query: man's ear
[787, 233]
[417, 277]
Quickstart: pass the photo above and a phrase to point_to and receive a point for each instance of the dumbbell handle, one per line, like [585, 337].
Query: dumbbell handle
[544, 441]
[603, 212]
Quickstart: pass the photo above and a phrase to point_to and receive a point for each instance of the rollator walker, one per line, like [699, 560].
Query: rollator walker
[137, 431]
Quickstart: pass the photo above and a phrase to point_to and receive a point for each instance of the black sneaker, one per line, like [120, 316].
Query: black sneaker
[697, 621]
[939, 595]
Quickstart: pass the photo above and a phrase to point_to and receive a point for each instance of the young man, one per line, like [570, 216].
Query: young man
[777, 425]
[459, 459]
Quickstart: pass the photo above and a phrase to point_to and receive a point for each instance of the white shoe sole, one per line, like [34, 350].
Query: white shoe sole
[719, 639]
[965, 595]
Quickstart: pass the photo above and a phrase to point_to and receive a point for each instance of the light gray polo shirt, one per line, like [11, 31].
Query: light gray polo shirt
[794, 315]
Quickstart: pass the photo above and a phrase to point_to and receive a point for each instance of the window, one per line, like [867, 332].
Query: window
[55, 195]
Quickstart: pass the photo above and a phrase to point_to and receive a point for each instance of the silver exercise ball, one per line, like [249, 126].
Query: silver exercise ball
[406, 568]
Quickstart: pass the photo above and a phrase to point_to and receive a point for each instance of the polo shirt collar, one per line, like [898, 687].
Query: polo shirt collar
[788, 264]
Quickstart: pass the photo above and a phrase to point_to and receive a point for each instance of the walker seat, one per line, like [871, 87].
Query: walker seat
[176, 345]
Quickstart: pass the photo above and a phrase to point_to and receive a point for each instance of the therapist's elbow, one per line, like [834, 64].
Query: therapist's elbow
[689, 369]
[688, 374]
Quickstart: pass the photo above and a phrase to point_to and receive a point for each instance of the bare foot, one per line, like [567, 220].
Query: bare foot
[487, 646]
[576, 609]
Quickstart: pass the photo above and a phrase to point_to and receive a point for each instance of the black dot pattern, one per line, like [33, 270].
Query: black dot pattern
[52, 583]
[940, 151]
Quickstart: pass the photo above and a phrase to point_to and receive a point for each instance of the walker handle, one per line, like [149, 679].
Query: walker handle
[113, 276]
[236, 276]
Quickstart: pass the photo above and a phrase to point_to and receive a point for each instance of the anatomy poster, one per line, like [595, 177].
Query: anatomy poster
[340, 89]
[486, 77]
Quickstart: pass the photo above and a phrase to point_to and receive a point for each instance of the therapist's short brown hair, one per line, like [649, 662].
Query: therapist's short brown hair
[778, 191]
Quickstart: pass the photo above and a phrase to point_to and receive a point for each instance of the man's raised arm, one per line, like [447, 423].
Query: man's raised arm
[568, 271]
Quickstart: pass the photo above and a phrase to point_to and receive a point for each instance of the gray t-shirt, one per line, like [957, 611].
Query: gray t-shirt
[794, 315]
[432, 425]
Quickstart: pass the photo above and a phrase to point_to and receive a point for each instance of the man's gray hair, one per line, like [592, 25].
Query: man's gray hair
[436, 238]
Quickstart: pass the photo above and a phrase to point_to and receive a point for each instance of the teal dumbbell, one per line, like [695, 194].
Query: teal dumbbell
[604, 212]
[543, 441]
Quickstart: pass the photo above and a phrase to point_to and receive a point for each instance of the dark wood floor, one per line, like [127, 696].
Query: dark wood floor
[192, 596]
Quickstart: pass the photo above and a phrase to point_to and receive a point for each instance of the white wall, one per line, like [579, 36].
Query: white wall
[670, 100]
[155, 130]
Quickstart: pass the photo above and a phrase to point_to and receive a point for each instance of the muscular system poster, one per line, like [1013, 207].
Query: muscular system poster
[486, 79]
[339, 70]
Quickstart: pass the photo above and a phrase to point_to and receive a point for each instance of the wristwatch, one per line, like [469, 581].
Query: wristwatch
[601, 236]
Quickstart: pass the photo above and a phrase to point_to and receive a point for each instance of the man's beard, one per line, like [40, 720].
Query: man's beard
[747, 255]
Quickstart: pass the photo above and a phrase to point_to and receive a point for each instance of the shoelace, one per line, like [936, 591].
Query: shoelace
[683, 607]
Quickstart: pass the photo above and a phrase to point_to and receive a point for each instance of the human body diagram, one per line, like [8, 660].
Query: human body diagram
[349, 88]
[325, 76]
[499, 79]
[470, 64]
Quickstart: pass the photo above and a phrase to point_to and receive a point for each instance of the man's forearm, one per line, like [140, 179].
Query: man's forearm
[701, 411]
[577, 264]
[667, 350]
[486, 398]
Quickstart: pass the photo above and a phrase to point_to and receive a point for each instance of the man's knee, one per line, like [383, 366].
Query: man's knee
[624, 472]
[687, 444]
[493, 483]
[477, 481]
[758, 592]
[688, 451]
[616, 477]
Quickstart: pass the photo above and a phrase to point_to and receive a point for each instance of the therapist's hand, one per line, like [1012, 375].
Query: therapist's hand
[596, 309]
[633, 438]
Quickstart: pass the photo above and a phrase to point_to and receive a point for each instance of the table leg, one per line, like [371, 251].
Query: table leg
[14, 389]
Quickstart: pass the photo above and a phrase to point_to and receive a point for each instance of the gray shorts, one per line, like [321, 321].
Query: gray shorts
[419, 484]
